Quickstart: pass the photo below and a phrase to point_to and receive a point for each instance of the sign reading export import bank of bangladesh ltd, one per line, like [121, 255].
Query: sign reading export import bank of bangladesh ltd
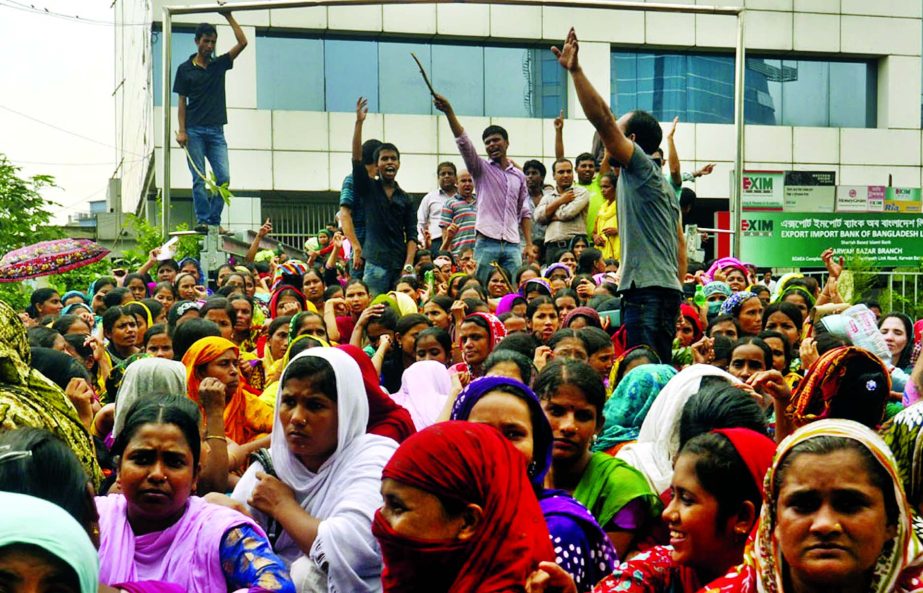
[794, 240]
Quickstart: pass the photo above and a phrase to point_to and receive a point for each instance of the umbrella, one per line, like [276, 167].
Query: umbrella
[49, 257]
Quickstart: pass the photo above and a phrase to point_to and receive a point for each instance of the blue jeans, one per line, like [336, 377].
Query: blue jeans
[380, 279]
[207, 142]
[487, 251]
[649, 316]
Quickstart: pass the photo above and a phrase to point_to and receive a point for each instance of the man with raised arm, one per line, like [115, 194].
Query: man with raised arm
[648, 214]
[502, 211]
[390, 218]
[202, 114]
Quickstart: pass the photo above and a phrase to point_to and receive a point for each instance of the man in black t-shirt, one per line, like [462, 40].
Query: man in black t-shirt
[202, 114]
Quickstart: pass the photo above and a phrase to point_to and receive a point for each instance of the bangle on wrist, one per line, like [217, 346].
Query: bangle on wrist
[215, 436]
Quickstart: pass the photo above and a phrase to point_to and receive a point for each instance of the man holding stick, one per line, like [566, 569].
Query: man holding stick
[502, 203]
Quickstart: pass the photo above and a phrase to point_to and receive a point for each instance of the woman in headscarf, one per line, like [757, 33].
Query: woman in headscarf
[144, 378]
[629, 359]
[478, 335]
[626, 409]
[582, 317]
[716, 293]
[27, 398]
[904, 436]
[828, 545]
[747, 310]
[658, 440]
[845, 382]
[459, 514]
[288, 300]
[535, 287]
[318, 489]
[156, 529]
[512, 408]
[690, 328]
[898, 333]
[246, 418]
[617, 495]
[717, 495]
[42, 548]
[386, 418]
[425, 387]
[800, 297]
[734, 272]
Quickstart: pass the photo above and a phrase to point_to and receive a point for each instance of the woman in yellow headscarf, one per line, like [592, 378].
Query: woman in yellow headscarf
[246, 418]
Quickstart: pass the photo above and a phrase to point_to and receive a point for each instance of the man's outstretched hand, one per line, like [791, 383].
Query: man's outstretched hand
[567, 55]
[441, 103]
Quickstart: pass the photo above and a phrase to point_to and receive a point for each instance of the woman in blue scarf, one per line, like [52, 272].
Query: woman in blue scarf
[515, 410]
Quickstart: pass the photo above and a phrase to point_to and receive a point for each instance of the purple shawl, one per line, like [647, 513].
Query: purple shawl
[186, 554]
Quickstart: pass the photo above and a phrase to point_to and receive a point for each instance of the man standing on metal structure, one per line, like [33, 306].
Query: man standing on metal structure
[648, 214]
[202, 114]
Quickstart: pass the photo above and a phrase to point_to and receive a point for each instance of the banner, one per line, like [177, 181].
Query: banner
[810, 191]
[860, 198]
[795, 240]
[903, 199]
[762, 190]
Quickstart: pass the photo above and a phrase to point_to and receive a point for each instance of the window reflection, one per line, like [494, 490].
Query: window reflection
[699, 88]
[313, 73]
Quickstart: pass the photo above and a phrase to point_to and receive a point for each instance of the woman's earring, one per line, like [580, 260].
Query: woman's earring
[533, 467]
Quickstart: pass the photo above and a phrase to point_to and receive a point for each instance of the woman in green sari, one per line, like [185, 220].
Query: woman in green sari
[617, 495]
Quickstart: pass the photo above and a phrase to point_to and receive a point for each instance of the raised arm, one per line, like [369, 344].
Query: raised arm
[673, 159]
[559, 136]
[255, 244]
[362, 110]
[238, 35]
[443, 105]
[594, 106]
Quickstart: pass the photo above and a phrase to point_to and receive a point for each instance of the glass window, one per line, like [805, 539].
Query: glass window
[400, 86]
[699, 88]
[351, 70]
[306, 73]
[508, 89]
[289, 73]
[458, 73]
[182, 46]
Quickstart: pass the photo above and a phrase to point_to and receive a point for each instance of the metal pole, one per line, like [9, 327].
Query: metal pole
[736, 190]
[166, 62]
[605, 4]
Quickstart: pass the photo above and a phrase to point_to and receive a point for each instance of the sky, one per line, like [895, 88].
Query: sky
[57, 112]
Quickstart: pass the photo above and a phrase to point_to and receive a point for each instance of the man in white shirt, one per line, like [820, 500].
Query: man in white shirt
[430, 210]
[564, 210]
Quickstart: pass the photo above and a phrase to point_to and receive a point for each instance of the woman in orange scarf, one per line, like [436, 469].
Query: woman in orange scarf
[246, 418]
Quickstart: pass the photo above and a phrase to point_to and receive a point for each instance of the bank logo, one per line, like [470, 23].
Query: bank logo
[757, 185]
[756, 228]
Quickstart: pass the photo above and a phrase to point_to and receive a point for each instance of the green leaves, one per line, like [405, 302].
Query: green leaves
[24, 211]
[211, 182]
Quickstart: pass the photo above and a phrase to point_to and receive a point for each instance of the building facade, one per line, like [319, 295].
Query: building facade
[832, 85]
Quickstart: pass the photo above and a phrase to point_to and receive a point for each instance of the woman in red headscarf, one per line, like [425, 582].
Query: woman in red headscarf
[459, 514]
[716, 491]
[386, 418]
[478, 335]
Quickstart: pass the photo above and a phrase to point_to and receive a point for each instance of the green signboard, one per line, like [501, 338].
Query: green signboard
[796, 240]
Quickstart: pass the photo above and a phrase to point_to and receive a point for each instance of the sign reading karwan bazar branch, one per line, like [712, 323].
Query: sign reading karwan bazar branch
[796, 240]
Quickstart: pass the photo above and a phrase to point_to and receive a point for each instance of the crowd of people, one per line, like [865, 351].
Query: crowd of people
[513, 387]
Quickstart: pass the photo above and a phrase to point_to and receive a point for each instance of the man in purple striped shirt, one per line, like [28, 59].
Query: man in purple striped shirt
[502, 208]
